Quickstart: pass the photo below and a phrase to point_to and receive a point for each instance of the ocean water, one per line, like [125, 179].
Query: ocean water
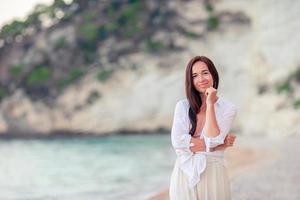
[90, 168]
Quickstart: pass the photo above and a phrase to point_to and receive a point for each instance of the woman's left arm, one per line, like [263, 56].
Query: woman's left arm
[215, 132]
[228, 142]
[211, 128]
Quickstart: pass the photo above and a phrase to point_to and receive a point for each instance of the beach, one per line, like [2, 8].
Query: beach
[258, 157]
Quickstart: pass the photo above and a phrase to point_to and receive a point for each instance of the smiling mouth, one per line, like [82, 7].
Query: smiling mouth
[203, 85]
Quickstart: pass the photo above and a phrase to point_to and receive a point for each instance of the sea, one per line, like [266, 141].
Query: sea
[116, 167]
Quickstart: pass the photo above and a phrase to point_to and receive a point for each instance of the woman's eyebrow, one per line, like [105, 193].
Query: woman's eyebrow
[201, 71]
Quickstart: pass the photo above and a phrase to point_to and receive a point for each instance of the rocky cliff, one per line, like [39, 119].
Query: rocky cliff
[107, 67]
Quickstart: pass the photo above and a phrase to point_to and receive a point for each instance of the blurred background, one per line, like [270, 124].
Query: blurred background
[88, 90]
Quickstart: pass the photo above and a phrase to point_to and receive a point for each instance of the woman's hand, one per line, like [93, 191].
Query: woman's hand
[228, 142]
[211, 96]
[197, 144]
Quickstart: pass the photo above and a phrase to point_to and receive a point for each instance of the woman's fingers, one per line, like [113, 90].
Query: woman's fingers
[210, 91]
[232, 141]
[229, 140]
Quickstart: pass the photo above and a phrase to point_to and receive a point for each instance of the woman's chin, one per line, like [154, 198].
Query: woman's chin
[202, 90]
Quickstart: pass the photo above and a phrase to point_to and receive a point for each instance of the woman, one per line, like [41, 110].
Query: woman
[199, 135]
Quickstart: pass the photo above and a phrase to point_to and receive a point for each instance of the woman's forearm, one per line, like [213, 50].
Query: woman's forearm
[211, 128]
[220, 147]
[199, 145]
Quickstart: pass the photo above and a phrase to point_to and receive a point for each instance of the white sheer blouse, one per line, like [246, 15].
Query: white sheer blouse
[193, 164]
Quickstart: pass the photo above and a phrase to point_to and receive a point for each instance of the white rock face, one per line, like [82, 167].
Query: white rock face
[21, 115]
[3, 125]
[246, 56]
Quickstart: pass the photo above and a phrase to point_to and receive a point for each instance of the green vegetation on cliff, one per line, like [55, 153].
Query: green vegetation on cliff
[57, 44]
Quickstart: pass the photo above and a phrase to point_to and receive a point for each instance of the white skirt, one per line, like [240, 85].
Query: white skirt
[213, 185]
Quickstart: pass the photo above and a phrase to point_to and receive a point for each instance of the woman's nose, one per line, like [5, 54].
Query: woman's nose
[200, 78]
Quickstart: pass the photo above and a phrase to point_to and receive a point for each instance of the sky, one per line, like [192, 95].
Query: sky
[17, 9]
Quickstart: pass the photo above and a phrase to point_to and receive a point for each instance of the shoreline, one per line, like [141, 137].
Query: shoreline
[65, 134]
[239, 159]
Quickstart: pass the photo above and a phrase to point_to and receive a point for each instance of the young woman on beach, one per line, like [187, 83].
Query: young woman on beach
[199, 135]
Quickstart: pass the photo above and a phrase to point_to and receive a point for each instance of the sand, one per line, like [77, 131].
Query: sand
[239, 159]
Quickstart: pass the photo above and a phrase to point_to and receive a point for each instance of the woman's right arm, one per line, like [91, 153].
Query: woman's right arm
[180, 130]
[190, 163]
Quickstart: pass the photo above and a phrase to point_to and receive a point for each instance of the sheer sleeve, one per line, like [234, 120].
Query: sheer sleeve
[180, 130]
[191, 164]
[225, 123]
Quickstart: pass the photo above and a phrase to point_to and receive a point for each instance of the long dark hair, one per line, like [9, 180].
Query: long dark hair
[192, 94]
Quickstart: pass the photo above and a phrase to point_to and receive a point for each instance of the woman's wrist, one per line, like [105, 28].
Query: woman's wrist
[209, 105]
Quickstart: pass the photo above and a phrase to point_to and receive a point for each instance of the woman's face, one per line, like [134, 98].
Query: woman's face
[202, 78]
